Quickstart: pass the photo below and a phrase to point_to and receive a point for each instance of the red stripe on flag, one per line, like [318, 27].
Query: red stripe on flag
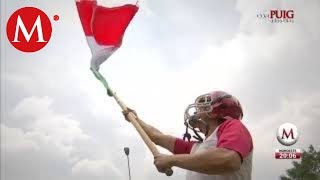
[86, 9]
[109, 24]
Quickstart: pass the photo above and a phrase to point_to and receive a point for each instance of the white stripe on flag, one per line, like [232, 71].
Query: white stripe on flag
[100, 53]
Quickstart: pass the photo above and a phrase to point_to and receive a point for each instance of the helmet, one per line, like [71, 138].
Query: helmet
[225, 105]
[216, 105]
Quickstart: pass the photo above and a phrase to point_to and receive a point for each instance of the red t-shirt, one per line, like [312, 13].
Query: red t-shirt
[231, 134]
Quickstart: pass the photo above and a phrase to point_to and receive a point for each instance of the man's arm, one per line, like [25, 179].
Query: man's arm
[163, 140]
[234, 144]
[213, 161]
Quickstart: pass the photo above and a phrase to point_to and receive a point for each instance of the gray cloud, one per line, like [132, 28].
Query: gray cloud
[98, 169]
[53, 143]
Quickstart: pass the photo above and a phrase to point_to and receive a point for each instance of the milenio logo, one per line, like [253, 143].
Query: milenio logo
[29, 29]
[287, 135]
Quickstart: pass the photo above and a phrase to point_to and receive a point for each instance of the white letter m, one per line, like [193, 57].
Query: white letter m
[25, 33]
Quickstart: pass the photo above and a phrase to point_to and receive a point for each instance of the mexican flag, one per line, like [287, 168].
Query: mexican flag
[104, 27]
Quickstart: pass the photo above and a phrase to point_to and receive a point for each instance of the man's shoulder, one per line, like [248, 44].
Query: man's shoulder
[233, 133]
[231, 123]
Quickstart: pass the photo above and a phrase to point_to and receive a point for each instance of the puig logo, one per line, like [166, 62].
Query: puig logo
[278, 16]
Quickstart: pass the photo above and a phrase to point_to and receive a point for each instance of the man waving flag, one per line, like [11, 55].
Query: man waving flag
[104, 28]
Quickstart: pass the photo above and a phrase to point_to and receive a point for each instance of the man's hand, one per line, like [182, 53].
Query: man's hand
[129, 110]
[163, 162]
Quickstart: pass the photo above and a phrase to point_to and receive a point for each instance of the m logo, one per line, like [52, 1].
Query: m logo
[24, 31]
[287, 134]
[29, 29]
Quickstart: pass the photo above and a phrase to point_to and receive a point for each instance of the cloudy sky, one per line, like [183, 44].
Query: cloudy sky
[57, 122]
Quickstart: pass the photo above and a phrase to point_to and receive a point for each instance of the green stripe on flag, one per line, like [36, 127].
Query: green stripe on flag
[103, 81]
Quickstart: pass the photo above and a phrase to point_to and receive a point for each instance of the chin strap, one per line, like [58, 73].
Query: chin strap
[197, 136]
[187, 135]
